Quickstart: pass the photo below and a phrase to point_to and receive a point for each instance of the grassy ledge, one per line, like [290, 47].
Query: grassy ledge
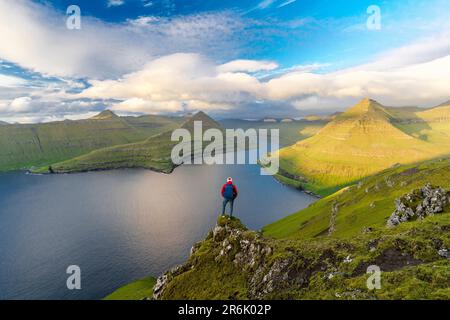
[136, 290]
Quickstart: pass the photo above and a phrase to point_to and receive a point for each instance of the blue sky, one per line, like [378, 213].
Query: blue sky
[327, 31]
[248, 58]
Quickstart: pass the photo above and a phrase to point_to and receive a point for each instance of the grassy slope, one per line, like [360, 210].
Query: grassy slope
[366, 204]
[27, 145]
[290, 132]
[364, 140]
[314, 260]
[136, 290]
[334, 267]
[302, 239]
[153, 153]
[431, 125]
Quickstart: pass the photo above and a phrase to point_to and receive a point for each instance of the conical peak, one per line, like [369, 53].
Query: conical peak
[106, 114]
[364, 106]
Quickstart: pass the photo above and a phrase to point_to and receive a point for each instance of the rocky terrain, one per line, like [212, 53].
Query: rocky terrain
[236, 263]
[418, 204]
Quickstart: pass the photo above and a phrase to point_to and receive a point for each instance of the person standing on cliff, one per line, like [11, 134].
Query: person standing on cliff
[229, 194]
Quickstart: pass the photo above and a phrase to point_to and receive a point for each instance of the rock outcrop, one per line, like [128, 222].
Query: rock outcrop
[250, 252]
[236, 263]
[418, 204]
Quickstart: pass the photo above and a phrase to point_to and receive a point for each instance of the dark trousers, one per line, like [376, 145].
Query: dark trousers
[225, 201]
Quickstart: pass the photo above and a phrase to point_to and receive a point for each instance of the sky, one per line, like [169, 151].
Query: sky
[231, 59]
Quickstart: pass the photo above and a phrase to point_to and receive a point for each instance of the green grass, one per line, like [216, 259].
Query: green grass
[206, 277]
[366, 204]
[290, 132]
[34, 145]
[107, 141]
[153, 153]
[334, 266]
[136, 290]
[210, 280]
[364, 140]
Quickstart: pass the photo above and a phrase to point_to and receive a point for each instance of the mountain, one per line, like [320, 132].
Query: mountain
[290, 132]
[154, 153]
[26, 145]
[234, 263]
[324, 251]
[446, 103]
[367, 204]
[207, 122]
[365, 139]
[326, 118]
[105, 115]
[3, 123]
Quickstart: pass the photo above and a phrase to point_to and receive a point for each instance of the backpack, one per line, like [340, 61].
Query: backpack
[228, 193]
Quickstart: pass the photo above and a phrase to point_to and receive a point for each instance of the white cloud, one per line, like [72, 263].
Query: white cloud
[286, 3]
[105, 50]
[247, 66]
[115, 3]
[192, 82]
[132, 67]
[7, 81]
[17, 105]
[265, 4]
[176, 82]
[20, 104]
[417, 74]
[145, 106]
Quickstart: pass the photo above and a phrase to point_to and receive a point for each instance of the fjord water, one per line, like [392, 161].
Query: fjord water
[119, 226]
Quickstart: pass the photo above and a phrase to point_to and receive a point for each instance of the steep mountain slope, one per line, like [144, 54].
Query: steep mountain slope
[431, 125]
[153, 153]
[105, 115]
[299, 258]
[365, 139]
[236, 263]
[25, 145]
[206, 121]
[137, 290]
[290, 132]
[303, 257]
[363, 206]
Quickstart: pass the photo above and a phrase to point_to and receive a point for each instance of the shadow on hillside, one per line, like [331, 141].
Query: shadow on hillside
[413, 126]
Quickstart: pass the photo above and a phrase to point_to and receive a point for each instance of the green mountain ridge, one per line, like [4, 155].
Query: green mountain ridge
[104, 115]
[299, 258]
[364, 140]
[206, 121]
[238, 264]
[154, 153]
[26, 145]
[367, 204]
[289, 132]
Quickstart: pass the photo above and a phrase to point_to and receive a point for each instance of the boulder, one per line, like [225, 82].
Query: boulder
[418, 204]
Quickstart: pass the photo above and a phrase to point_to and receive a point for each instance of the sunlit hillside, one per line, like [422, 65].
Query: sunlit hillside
[366, 139]
[26, 145]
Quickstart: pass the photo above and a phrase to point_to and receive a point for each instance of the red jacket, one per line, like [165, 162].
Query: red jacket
[235, 192]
